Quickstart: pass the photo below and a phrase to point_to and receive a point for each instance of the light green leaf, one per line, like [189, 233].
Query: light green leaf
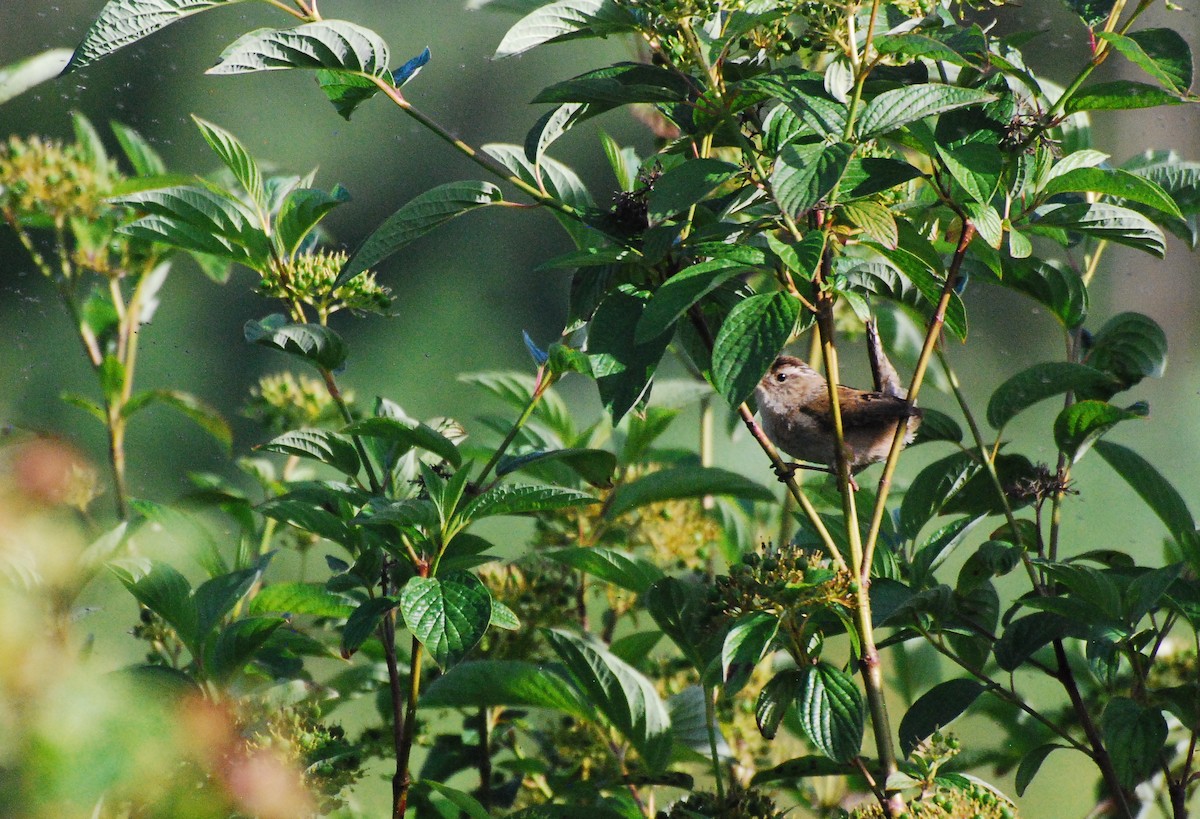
[331, 44]
[1121, 95]
[1160, 52]
[1116, 183]
[448, 616]
[291, 598]
[236, 158]
[684, 482]
[562, 20]
[609, 565]
[319, 444]
[519, 500]
[1039, 382]
[314, 343]
[465, 803]
[898, 107]
[489, 683]
[144, 159]
[17, 78]
[123, 22]
[197, 219]
[750, 338]
[1109, 222]
[415, 219]
[408, 433]
[1079, 426]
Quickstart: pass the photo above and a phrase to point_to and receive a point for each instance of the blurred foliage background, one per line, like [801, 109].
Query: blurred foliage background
[465, 312]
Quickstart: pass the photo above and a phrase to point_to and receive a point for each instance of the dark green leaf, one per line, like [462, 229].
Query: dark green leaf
[623, 366]
[680, 292]
[1024, 636]
[1118, 96]
[408, 433]
[976, 166]
[319, 444]
[415, 219]
[807, 175]
[363, 622]
[301, 211]
[520, 500]
[448, 616]
[1039, 382]
[932, 487]
[775, 699]
[123, 22]
[831, 711]
[1130, 346]
[1092, 12]
[197, 219]
[1079, 426]
[893, 109]
[1056, 286]
[937, 426]
[314, 343]
[930, 281]
[749, 340]
[684, 482]
[216, 597]
[1031, 764]
[804, 767]
[618, 84]
[610, 565]
[465, 803]
[685, 185]
[1151, 487]
[489, 683]
[596, 466]
[936, 709]
[1134, 736]
[236, 158]
[237, 644]
[167, 593]
[745, 645]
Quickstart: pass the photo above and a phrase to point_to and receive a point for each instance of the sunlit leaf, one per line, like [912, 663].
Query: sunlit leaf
[122, 22]
[448, 615]
[330, 44]
[750, 338]
[684, 482]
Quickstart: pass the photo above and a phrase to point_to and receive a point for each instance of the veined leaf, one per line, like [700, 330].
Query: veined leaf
[236, 158]
[484, 683]
[623, 366]
[1115, 183]
[122, 22]
[237, 643]
[1130, 346]
[898, 107]
[596, 466]
[1134, 734]
[319, 444]
[1160, 52]
[1078, 426]
[408, 433]
[685, 185]
[619, 84]
[300, 598]
[330, 44]
[749, 340]
[415, 219]
[610, 565]
[558, 21]
[1109, 222]
[448, 616]
[1038, 382]
[831, 711]
[1122, 95]
[301, 211]
[363, 622]
[195, 218]
[684, 482]
[680, 292]
[519, 500]
[805, 175]
[314, 343]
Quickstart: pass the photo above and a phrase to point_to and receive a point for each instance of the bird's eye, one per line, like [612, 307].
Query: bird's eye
[781, 377]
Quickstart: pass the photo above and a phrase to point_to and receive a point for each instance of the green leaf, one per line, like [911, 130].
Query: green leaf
[167, 593]
[123, 22]
[937, 426]
[623, 366]
[490, 683]
[963, 47]
[314, 343]
[1056, 286]
[803, 768]
[465, 803]
[205, 416]
[1092, 12]
[236, 158]
[144, 159]
[292, 598]
[1160, 52]
[319, 444]
[678, 608]
[678, 293]
[609, 565]
[557, 180]
[976, 166]
[408, 433]
[415, 219]
[197, 219]
[936, 709]
[626, 699]
[876, 221]
[1080, 425]
[685, 185]
[745, 645]
[931, 488]
[520, 500]
[216, 597]
[17, 78]
[803, 257]
[1116, 183]
[502, 616]
[1122, 95]
[333, 44]
[749, 340]
[301, 211]
[930, 282]
[832, 713]
[684, 482]
[806, 175]
[1031, 763]
[363, 622]
[1039, 382]
[448, 616]
[775, 699]
[561, 20]
[1151, 487]
[1130, 347]
[550, 126]
[237, 644]
[898, 107]
[1025, 635]
[1134, 736]
[310, 516]
[596, 466]
[619, 84]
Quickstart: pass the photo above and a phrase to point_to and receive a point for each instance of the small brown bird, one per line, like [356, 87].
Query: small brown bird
[793, 402]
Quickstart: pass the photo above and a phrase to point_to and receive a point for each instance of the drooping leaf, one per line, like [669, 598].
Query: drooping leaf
[1116, 183]
[1039, 382]
[314, 343]
[749, 340]
[596, 466]
[415, 219]
[619, 84]
[407, 433]
[1145, 479]
[168, 594]
[684, 482]
[832, 712]
[1129, 347]
[1121, 95]
[936, 709]
[610, 565]
[197, 219]
[487, 683]
[362, 623]
[448, 615]
[1134, 736]
[320, 445]
[1056, 286]
[744, 647]
[205, 416]
[623, 366]
[898, 107]
[776, 697]
[678, 293]
[519, 500]
[290, 598]
[1079, 426]
[561, 20]
[1031, 764]
[329, 44]
[1160, 52]
[123, 22]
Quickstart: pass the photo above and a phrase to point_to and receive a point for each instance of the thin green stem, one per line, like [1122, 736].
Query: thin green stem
[710, 719]
[1098, 56]
[286, 9]
[336, 394]
[543, 383]
[861, 71]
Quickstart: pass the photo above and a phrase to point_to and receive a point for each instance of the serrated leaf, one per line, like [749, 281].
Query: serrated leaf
[684, 482]
[237, 644]
[1134, 736]
[314, 343]
[236, 158]
[489, 683]
[875, 220]
[685, 185]
[609, 565]
[329, 44]
[1122, 95]
[561, 20]
[362, 623]
[301, 211]
[678, 293]
[415, 219]
[596, 466]
[122, 22]
[448, 616]
[1162, 498]
[205, 416]
[806, 175]
[936, 709]
[312, 599]
[1079, 426]
[197, 219]
[1114, 182]
[898, 107]
[744, 647]
[750, 338]
[17, 78]
[1039, 382]
[319, 444]
[626, 699]
[520, 500]
[408, 433]
[831, 711]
